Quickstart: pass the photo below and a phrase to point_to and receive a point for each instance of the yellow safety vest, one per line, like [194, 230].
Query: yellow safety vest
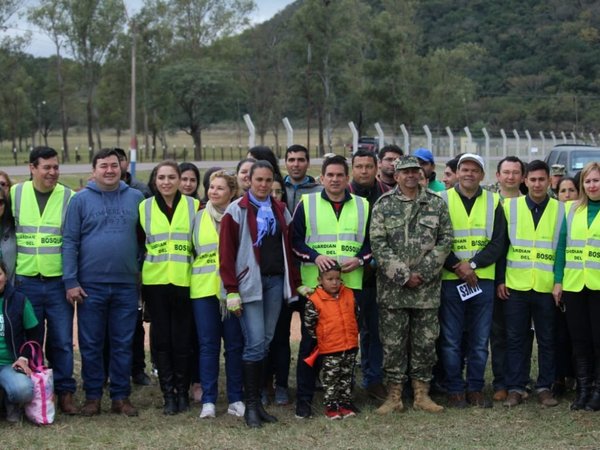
[340, 239]
[205, 280]
[582, 259]
[168, 245]
[472, 232]
[530, 257]
[39, 238]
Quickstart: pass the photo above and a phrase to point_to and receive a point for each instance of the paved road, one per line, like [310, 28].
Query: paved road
[86, 168]
[142, 167]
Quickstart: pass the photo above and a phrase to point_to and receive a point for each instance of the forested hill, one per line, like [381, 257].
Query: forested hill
[533, 46]
[539, 60]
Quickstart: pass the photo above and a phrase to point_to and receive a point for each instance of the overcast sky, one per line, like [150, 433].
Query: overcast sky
[41, 45]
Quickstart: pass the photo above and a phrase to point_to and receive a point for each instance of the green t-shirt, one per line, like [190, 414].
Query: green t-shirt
[29, 321]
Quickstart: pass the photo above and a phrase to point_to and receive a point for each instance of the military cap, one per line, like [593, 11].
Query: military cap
[407, 162]
[558, 170]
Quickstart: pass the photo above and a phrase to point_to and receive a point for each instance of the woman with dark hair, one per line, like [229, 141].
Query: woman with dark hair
[8, 243]
[19, 325]
[567, 189]
[258, 274]
[190, 179]
[5, 183]
[167, 220]
[263, 153]
[577, 285]
[243, 173]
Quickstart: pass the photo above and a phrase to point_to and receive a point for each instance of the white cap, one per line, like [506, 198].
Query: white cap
[472, 157]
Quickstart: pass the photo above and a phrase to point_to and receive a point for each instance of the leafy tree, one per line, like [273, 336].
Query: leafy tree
[196, 94]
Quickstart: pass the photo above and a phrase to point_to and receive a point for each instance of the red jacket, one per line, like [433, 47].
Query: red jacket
[337, 329]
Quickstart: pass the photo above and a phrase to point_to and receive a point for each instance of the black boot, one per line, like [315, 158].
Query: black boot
[166, 380]
[593, 403]
[251, 371]
[264, 415]
[584, 383]
[181, 363]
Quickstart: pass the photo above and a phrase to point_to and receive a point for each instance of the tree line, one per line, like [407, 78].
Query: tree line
[503, 64]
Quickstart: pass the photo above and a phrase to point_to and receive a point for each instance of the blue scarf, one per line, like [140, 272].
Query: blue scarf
[265, 220]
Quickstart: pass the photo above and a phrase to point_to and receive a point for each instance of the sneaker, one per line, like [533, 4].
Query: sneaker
[333, 412]
[303, 409]
[236, 409]
[346, 412]
[281, 396]
[208, 411]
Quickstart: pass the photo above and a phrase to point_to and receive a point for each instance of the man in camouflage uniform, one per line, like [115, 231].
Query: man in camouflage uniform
[411, 236]
[557, 171]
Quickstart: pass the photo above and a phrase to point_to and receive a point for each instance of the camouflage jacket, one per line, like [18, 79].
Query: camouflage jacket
[410, 236]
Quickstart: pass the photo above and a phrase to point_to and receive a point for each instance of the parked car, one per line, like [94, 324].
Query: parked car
[573, 156]
[367, 143]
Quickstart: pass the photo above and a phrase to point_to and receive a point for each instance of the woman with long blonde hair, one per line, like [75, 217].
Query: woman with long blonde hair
[577, 285]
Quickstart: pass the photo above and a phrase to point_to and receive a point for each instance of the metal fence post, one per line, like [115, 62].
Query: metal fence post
[251, 131]
[451, 142]
[406, 139]
[429, 138]
[380, 135]
[518, 143]
[504, 142]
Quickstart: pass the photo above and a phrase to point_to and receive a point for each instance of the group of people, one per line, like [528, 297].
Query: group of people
[388, 264]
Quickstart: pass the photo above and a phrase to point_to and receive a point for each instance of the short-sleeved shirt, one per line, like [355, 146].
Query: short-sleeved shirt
[29, 321]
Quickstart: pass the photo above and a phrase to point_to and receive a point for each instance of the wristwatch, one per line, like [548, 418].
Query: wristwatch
[473, 265]
[361, 261]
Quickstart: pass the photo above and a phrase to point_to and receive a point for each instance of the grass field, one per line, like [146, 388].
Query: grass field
[220, 142]
[527, 426]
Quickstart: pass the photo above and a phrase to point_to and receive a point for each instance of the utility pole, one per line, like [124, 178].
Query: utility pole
[133, 144]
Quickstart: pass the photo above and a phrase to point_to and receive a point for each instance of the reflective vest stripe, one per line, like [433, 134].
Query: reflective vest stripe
[530, 262]
[468, 226]
[321, 220]
[168, 245]
[39, 236]
[582, 258]
[205, 281]
[166, 257]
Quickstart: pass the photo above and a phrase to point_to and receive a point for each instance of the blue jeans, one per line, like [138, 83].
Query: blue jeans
[520, 308]
[108, 308]
[18, 386]
[210, 329]
[55, 315]
[371, 349]
[474, 316]
[259, 318]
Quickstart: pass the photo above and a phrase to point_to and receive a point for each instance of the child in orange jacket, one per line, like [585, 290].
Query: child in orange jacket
[331, 317]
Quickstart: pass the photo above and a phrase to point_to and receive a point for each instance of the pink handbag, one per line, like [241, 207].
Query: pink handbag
[40, 410]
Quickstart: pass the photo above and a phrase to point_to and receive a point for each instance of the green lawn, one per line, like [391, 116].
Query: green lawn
[527, 426]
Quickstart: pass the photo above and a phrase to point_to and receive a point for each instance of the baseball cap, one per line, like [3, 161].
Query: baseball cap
[406, 162]
[474, 158]
[424, 154]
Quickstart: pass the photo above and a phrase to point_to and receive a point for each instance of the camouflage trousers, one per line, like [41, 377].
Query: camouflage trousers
[408, 336]
[337, 376]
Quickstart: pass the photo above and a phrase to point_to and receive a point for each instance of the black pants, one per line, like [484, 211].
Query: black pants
[172, 318]
[582, 310]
